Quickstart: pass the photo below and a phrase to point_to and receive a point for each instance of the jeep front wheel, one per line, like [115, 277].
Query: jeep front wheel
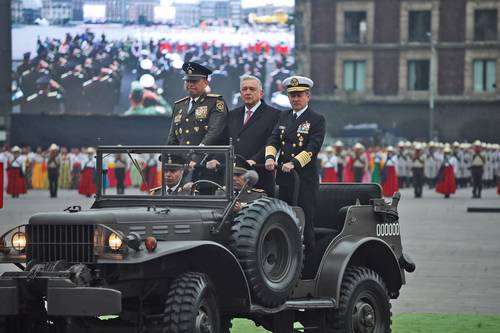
[191, 305]
[266, 239]
[364, 305]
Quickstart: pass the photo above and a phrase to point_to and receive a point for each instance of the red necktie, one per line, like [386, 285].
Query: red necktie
[248, 115]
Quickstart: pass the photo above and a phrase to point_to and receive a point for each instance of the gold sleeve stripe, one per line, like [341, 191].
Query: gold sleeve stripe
[270, 150]
[303, 157]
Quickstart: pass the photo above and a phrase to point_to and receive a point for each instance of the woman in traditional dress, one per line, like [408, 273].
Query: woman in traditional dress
[87, 179]
[389, 174]
[377, 165]
[150, 173]
[329, 165]
[16, 183]
[37, 175]
[65, 170]
[446, 175]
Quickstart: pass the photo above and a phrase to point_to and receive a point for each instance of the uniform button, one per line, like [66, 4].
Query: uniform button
[188, 143]
[187, 131]
[238, 140]
[294, 145]
[282, 142]
[293, 155]
[282, 153]
[187, 120]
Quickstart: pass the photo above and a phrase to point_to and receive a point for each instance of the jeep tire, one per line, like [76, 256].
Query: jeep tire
[364, 304]
[191, 305]
[266, 240]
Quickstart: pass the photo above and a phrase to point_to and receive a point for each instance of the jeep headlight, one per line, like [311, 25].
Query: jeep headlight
[18, 241]
[14, 245]
[114, 242]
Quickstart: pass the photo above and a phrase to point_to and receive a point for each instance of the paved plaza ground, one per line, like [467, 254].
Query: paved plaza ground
[457, 253]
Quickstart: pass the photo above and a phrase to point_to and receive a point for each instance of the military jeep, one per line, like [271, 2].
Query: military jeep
[191, 262]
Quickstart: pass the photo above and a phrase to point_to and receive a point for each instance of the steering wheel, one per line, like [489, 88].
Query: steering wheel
[194, 186]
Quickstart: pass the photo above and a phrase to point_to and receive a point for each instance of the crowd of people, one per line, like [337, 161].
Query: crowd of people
[443, 167]
[83, 73]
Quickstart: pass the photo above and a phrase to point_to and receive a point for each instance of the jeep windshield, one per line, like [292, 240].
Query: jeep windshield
[163, 176]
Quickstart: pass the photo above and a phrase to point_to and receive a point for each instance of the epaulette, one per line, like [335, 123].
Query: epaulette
[214, 95]
[31, 97]
[26, 72]
[181, 100]
[65, 75]
[258, 190]
[104, 78]
[86, 83]
[52, 94]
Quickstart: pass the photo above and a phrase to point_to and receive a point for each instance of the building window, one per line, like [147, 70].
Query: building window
[419, 25]
[354, 75]
[485, 24]
[355, 28]
[418, 74]
[485, 75]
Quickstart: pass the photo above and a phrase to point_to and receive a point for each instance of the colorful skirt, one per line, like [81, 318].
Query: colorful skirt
[446, 184]
[87, 184]
[390, 182]
[16, 183]
[329, 175]
[37, 176]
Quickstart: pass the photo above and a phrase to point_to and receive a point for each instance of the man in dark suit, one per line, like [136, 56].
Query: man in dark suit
[250, 125]
[298, 135]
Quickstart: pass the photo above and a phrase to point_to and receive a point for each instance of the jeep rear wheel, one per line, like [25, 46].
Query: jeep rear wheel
[364, 305]
[267, 241]
[191, 306]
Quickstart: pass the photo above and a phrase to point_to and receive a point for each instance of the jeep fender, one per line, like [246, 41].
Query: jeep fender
[358, 251]
[201, 256]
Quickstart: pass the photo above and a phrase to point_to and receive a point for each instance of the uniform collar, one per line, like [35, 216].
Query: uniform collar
[300, 112]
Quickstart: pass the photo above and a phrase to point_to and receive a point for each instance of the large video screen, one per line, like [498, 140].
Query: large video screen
[125, 57]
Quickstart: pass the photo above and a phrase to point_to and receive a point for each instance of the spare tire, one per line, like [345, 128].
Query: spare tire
[266, 240]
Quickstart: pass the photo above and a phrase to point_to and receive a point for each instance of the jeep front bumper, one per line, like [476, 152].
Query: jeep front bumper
[62, 296]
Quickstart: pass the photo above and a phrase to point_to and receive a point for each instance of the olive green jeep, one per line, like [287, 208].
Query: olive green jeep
[191, 262]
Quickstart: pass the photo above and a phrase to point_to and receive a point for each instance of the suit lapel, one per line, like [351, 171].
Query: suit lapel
[238, 120]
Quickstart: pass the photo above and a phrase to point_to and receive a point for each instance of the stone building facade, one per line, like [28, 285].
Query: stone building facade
[395, 56]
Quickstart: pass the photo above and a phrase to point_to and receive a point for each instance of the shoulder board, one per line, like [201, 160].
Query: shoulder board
[104, 78]
[26, 72]
[258, 190]
[181, 100]
[31, 97]
[214, 95]
[65, 75]
[86, 83]
[52, 94]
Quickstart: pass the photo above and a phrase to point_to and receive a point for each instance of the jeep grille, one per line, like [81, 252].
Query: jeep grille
[72, 243]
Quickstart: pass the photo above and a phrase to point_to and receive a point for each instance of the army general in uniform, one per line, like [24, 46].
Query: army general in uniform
[200, 118]
[298, 137]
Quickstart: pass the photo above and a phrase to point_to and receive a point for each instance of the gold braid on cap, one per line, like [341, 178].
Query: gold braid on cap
[303, 157]
[271, 151]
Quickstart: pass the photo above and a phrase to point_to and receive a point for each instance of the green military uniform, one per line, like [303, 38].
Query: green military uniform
[173, 162]
[203, 123]
[201, 119]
